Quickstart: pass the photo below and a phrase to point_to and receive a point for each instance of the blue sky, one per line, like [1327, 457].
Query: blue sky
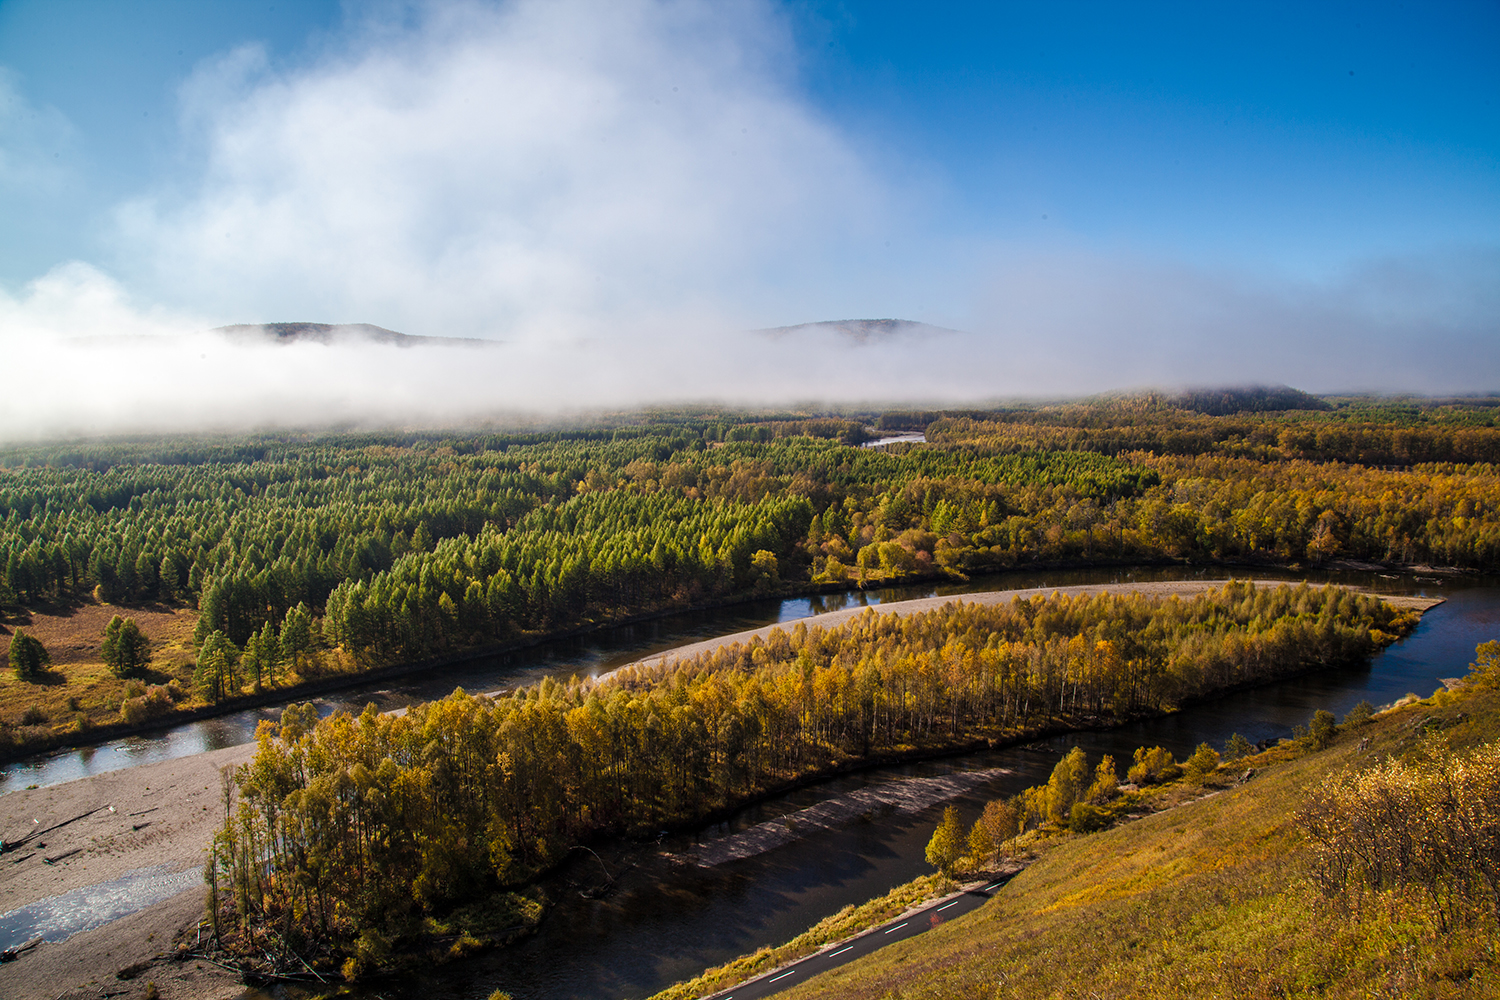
[1026, 172]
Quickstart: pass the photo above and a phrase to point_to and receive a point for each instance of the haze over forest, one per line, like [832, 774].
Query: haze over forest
[624, 197]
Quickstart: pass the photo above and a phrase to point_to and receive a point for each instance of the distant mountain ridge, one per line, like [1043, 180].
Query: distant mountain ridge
[860, 331]
[334, 333]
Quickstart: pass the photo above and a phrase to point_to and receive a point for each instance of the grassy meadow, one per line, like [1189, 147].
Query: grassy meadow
[1219, 893]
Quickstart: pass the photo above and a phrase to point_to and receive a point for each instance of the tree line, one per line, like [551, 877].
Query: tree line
[406, 545]
[359, 827]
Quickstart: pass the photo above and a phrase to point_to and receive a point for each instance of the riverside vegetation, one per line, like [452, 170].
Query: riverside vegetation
[1354, 860]
[349, 837]
[264, 562]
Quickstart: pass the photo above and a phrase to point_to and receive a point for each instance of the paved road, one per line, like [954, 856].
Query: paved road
[889, 933]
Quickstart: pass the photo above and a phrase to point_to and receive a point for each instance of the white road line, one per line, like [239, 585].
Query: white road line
[897, 927]
[990, 888]
[782, 976]
[847, 947]
[946, 905]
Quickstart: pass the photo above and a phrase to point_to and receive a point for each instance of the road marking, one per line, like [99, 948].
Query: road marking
[946, 905]
[782, 976]
[847, 947]
[897, 927]
[992, 888]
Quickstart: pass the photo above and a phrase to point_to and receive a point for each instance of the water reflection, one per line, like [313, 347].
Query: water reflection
[602, 651]
[670, 922]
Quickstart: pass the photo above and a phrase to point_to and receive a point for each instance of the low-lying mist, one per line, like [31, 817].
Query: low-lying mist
[81, 360]
[619, 199]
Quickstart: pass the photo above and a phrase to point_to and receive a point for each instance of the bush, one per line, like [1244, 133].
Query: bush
[1322, 729]
[34, 716]
[1396, 827]
[1106, 782]
[154, 701]
[1152, 766]
[1238, 747]
[1087, 818]
[1359, 714]
[1203, 762]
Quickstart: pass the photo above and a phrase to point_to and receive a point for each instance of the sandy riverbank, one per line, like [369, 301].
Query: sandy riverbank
[1180, 588]
[165, 814]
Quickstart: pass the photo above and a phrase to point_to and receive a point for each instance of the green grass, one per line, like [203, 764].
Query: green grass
[1209, 899]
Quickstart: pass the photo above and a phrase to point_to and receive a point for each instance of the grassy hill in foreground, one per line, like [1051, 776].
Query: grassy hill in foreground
[1223, 897]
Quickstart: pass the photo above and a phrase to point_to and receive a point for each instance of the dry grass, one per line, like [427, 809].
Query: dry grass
[1207, 900]
[79, 685]
[847, 922]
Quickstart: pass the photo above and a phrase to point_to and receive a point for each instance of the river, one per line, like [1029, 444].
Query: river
[588, 655]
[666, 921]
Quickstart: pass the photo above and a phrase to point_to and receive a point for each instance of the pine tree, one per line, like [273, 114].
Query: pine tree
[126, 651]
[28, 657]
[215, 674]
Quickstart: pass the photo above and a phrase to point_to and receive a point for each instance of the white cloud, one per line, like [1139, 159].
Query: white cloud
[525, 170]
[617, 191]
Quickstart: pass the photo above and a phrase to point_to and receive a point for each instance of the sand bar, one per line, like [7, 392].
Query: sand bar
[1180, 588]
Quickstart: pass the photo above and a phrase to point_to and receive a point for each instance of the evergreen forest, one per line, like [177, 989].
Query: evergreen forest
[309, 553]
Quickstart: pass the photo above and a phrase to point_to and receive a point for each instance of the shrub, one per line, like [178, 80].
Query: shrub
[1106, 782]
[1203, 762]
[153, 701]
[1433, 827]
[1153, 765]
[34, 716]
[1238, 747]
[1087, 818]
[1359, 714]
[1322, 729]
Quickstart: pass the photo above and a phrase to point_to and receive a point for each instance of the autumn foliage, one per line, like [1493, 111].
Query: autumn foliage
[357, 826]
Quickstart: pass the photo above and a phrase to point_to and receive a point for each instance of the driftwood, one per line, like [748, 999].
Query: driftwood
[11, 845]
[11, 954]
[54, 859]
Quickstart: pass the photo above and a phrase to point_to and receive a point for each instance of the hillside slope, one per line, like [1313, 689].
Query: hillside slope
[1215, 898]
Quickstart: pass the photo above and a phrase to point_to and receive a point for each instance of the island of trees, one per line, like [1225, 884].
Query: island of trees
[343, 837]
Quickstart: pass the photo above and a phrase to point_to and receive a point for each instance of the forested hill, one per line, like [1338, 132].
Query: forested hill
[332, 333]
[409, 545]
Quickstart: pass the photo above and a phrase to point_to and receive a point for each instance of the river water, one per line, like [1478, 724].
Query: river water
[588, 655]
[667, 921]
